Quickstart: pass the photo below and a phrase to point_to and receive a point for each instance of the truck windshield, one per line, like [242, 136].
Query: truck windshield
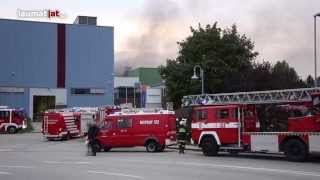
[20, 114]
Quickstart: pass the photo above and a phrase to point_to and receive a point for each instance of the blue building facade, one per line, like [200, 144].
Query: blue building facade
[66, 64]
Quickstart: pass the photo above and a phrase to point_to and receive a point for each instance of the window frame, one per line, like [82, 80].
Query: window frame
[128, 125]
[201, 115]
[218, 114]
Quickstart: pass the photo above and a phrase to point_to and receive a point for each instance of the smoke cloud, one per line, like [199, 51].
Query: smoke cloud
[281, 30]
[156, 41]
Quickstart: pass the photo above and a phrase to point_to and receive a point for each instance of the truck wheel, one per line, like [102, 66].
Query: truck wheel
[295, 150]
[11, 129]
[209, 147]
[233, 152]
[97, 146]
[151, 146]
[106, 149]
[68, 136]
[161, 148]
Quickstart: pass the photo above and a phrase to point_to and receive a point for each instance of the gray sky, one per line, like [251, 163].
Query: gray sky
[146, 32]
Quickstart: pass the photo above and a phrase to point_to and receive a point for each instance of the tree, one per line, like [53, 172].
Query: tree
[310, 81]
[285, 77]
[224, 54]
[228, 62]
[265, 76]
[260, 77]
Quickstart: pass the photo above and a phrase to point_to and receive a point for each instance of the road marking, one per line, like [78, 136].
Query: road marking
[115, 174]
[303, 173]
[65, 162]
[4, 173]
[24, 167]
[6, 150]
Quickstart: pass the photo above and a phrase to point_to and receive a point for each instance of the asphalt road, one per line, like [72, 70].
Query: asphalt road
[30, 157]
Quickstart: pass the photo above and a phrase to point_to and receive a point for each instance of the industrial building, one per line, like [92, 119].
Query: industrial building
[141, 88]
[45, 65]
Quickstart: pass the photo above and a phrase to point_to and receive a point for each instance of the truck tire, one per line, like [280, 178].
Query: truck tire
[209, 146]
[106, 149]
[295, 150]
[97, 146]
[11, 129]
[161, 148]
[234, 152]
[151, 146]
[68, 136]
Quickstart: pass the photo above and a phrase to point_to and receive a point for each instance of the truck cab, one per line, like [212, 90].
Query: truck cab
[12, 120]
[224, 123]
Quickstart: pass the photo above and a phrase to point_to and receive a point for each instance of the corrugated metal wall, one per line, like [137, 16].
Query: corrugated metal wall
[28, 54]
[28, 58]
[89, 63]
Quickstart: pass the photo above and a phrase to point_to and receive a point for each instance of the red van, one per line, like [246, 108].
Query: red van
[154, 130]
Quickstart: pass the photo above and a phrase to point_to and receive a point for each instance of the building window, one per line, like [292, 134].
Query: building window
[87, 91]
[11, 90]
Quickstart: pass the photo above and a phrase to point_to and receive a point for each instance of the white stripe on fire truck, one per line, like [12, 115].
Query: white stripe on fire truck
[69, 118]
[214, 125]
[73, 126]
[66, 113]
[75, 131]
[69, 121]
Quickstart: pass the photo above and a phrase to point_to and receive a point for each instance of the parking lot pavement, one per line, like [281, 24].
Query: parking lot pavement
[29, 156]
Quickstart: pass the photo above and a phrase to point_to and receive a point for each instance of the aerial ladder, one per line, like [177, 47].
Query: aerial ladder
[253, 97]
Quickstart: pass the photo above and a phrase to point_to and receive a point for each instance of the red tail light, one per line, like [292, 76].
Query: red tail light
[171, 135]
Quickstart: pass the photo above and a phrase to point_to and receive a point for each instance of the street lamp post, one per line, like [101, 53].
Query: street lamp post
[315, 48]
[201, 76]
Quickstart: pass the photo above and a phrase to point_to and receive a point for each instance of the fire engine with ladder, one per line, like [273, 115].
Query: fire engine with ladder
[230, 122]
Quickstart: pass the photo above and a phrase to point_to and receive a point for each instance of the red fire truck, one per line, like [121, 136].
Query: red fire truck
[130, 128]
[229, 122]
[61, 124]
[72, 122]
[105, 111]
[12, 120]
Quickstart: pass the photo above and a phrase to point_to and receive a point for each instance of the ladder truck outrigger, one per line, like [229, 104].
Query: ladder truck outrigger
[231, 122]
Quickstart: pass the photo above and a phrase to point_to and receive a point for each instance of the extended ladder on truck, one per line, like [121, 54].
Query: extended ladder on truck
[253, 97]
[214, 127]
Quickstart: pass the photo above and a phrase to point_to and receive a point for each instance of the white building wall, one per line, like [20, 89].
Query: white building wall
[153, 98]
[59, 93]
[125, 81]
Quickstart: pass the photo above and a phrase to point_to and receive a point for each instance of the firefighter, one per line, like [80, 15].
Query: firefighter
[182, 136]
[93, 130]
